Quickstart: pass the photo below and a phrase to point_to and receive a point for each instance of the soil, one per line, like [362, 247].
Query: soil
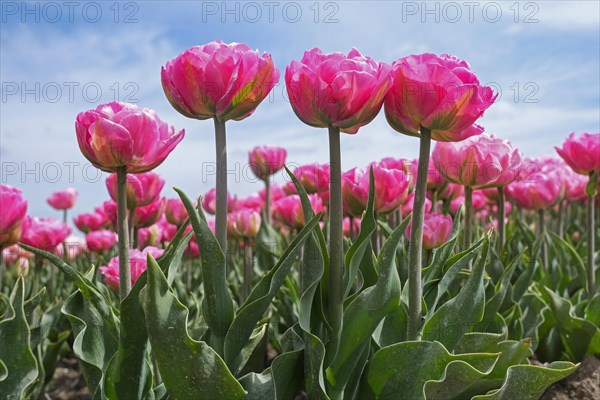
[584, 384]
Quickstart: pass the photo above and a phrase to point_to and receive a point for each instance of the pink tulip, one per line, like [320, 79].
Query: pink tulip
[314, 178]
[148, 215]
[44, 233]
[408, 166]
[99, 241]
[407, 206]
[138, 260]
[436, 230]
[209, 202]
[391, 189]
[142, 189]
[89, 222]
[175, 212]
[74, 245]
[243, 224]
[277, 192]
[451, 192]
[149, 236]
[479, 161]
[252, 202]
[122, 135]
[581, 153]
[346, 92]
[538, 192]
[109, 208]
[288, 210]
[440, 93]
[13, 208]
[350, 230]
[266, 160]
[15, 252]
[167, 230]
[479, 202]
[63, 199]
[225, 81]
[575, 187]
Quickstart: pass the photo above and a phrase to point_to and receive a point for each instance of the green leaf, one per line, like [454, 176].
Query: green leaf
[259, 386]
[18, 366]
[261, 296]
[528, 382]
[190, 369]
[576, 333]
[526, 276]
[217, 305]
[403, 369]
[365, 312]
[128, 374]
[456, 317]
[287, 371]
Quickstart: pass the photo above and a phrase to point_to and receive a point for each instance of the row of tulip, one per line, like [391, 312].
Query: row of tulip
[366, 305]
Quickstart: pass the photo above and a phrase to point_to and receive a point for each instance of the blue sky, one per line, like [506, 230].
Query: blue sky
[60, 58]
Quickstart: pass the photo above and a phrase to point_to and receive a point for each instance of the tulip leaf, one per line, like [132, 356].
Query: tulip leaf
[528, 382]
[526, 277]
[456, 317]
[18, 366]
[261, 296]
[387, 376]
[190, 369]
[217, 305]
[365, 312]
[577, 334]
[287, 371]
[259, 386]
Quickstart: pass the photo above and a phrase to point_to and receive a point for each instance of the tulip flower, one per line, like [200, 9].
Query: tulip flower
[63, 199]
[436, 230]
[350, 227]
[408, 205]
[253, 202]
[94, 221]
[276, 191]
[142, 189]
[582, 154]
[122, 138]
[109, 208]
[138, 262]
[264, 162]
[288, 210]
[439, 98]
[149, 236]
[167, 230]
[341, 93]
[175, 212]
[391, 189]
[44, 233]
[314, 178]
[71, 248]
[100, 241]
[12, 213]
[223, 82]
[478, 162]
[209, 202]
[244, 224]
[148, 215]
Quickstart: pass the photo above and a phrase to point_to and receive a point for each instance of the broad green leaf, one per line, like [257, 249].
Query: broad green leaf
[576, 333]
[217, 305]
[394, 326]
[364, 314]
[575, 259]
[18, 366]
[401, 371]
[190, 369]
[456, 317]
[526, 276]
[528, 382]
[287, 371]
[261, 296]
[259, 386]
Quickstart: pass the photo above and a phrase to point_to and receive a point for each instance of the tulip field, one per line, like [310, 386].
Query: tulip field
[468, 272]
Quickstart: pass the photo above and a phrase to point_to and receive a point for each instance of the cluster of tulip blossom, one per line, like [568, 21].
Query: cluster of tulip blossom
[427, 96]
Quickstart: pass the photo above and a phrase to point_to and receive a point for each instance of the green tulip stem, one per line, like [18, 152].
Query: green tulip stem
[468, 217]
[131, 227]
[123, 232]
[591, 277]
[542, 233]
[247, 283]
[336, 263]
[221, 156]
[415, 249]
[268, 200]
[501, 217]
